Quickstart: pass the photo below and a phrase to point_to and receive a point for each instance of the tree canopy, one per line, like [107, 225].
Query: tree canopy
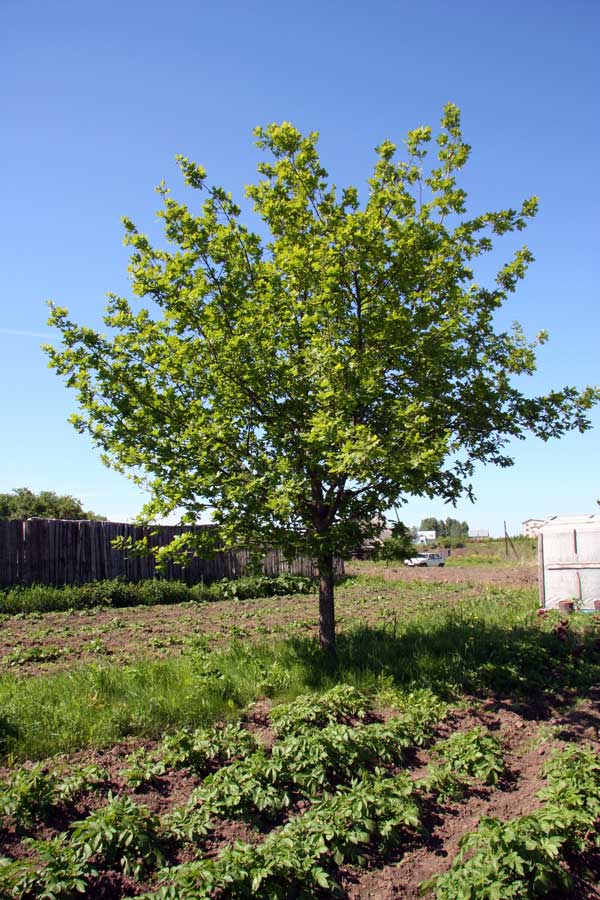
[23, 503]
[445, 528]
[302, 382]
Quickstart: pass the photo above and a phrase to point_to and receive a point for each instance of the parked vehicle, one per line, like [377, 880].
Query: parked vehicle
[425, 559]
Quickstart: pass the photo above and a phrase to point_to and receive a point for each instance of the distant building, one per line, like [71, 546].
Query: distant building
[425, 537]
[479, 534]
[531, 527]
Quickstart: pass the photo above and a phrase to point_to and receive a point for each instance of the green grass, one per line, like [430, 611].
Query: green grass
[460, 562]
[493, 553]
[492, 643]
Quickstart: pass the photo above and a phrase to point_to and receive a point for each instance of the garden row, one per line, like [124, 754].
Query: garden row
[119, 593]
[333, 789]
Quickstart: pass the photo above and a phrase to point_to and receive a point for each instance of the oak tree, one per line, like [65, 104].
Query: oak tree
[302, 376]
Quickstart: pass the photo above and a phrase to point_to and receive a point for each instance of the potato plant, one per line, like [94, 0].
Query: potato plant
[298, 858]
[120, 834]
[313, 711]
[524, 857]
[475, 754]
[55, 872]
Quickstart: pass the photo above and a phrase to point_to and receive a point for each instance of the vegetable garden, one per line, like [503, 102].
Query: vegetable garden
[451, 751]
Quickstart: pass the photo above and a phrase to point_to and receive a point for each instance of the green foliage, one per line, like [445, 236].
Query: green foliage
[573, 784]
[29, 796]
[465, 756]
[296, 860]
[449, 528]
[98, 704]
[142, 770]
[475, 754]
[315, 759]
[198, 749]
[24, 504]
[399, 546]
[21, 656]
[310, 710]
[451, 543]
[118, 593]
[445, 642]
[372, 808]
[299, 384]
[517, 860]
[252, 586]
[524, 858]
[33, 793]
[394, 548]
[55, 872]
[247, 789]
[80, 780]
[121, 834]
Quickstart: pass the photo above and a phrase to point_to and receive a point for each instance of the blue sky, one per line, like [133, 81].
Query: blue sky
[97, 98]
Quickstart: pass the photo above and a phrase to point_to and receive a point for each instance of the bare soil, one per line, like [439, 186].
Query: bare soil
[522, 575]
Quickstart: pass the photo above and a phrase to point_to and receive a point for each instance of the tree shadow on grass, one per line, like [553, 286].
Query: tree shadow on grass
[535, 666]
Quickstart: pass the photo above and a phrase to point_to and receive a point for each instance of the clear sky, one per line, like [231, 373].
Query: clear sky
[98, 97]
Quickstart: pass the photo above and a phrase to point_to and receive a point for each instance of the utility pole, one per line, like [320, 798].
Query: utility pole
[508, 541]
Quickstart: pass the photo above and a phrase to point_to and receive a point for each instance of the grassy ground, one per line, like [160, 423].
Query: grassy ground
[471, 638]
[495, 553]
[512, 683]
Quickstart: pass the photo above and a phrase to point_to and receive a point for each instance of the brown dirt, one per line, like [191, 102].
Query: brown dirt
[519, 575]
[527, 743]
[527, 740]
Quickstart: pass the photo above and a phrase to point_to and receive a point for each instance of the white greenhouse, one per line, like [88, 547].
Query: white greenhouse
[569, 563]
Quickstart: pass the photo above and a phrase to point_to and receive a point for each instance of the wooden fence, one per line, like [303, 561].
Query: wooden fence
[58, 551]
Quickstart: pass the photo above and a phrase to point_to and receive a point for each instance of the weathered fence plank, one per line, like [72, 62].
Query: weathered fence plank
[57, 552]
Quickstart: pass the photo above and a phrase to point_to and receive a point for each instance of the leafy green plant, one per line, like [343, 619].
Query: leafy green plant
[80, 780]
[122, 834]
[313, 759]
[250, 587]
[188, 824]
[373, 808]
[21, 656]
[55, 872]
[198, 749]
[474, 754]
[516, 860]
[296, 860]
[150, 592]
[523, 858]
[277, 678]
[247, 788]
[315, 711]
[143, 769]
[573, 784]
[30, 796]
[420, 704]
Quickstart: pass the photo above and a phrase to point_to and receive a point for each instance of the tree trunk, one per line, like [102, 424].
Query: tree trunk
[326, 606]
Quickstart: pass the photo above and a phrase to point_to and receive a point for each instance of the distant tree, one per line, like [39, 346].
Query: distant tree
[454, 529]
[432, 524]
[445, 528]
[300, 378]
[23, 503]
